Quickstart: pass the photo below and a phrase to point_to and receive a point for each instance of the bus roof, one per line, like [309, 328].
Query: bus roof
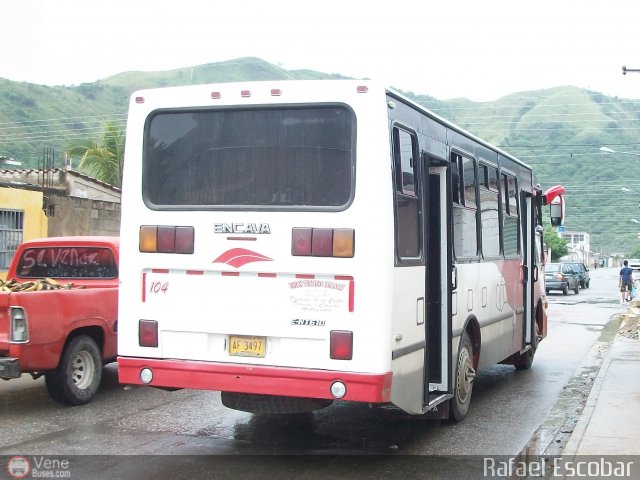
[453, 126]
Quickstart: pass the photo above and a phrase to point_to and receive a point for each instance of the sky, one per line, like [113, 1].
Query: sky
[477, 49]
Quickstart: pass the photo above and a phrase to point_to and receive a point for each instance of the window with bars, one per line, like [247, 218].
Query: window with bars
[11, 235]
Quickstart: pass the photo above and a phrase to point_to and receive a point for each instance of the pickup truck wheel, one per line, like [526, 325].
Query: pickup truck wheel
[77, 378]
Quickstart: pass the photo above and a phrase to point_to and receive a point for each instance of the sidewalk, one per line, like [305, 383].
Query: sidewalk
[609, 423]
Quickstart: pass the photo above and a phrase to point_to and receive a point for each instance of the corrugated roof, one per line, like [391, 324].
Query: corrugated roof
[59, 170]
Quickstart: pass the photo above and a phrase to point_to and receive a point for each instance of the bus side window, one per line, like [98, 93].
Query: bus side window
[463, 188]
[405, 162]
[407, 202]
[490, 221]
[510, 216]
[455, 178]
[469, 185]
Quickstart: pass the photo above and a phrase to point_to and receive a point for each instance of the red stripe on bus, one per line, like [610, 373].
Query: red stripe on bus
[159, 270]
[259, 379]
[195, 272]
[349, 278]
[267, 275]
[144, 287]
[343, 277]
[351, 295]
[230, 274]
[305, 275]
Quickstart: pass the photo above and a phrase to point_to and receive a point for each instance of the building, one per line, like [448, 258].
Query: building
[53, 203]
[579, 247]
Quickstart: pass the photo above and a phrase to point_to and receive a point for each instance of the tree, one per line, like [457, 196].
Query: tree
[103, 158]
[635, 252]
[558, 245]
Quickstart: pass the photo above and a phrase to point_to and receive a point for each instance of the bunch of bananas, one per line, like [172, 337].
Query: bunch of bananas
[35, 286]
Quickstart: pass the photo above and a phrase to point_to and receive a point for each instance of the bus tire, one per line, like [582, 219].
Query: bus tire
[271, 404]
[463, 381]
[78, 376]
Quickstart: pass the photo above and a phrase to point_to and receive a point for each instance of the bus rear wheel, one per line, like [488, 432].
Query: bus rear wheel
[463, 385]
[524, 361]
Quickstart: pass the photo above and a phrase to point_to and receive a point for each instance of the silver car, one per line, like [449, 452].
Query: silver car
[634, 263]
[561, 276]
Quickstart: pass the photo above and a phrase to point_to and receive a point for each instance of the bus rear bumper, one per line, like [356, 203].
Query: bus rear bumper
[266, 380]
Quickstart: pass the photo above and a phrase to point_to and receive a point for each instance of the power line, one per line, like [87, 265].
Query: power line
[61, 119]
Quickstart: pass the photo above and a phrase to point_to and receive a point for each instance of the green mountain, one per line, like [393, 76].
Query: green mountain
[558, 131]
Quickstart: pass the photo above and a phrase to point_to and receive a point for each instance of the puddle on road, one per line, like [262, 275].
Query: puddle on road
[552, 436]
[608, 301]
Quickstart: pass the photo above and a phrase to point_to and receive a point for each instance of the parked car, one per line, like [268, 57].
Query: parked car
[583, 273]
[561, 276]
[634, 263]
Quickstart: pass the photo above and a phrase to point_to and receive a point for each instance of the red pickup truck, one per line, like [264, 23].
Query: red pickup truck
[58, 314]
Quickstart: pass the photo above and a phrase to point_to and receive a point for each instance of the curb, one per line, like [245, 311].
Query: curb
[551, 437]
[572, 445]
[628, 328]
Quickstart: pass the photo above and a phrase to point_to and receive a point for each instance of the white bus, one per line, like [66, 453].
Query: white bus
[293, 243]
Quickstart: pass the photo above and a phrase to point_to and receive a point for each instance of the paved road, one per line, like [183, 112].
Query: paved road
[507, 410]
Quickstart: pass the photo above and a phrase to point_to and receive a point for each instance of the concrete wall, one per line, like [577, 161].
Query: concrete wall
[82, 216]
[75, 184]
[71, 215]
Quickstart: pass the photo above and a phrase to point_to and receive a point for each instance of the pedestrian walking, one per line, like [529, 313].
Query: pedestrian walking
[625, 282]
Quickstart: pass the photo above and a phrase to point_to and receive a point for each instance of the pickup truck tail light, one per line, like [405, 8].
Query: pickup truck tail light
[19, 330]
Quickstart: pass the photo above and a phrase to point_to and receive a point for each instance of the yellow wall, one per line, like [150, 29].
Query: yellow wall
[29, 202]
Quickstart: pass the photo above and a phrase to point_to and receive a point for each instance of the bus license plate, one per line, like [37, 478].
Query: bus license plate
[243, 346]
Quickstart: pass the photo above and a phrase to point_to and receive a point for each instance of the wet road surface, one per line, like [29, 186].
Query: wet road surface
[508, 409]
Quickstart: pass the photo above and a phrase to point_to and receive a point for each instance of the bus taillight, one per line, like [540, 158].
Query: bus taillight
[341, 345]
[148, 333]
[343, 241]
[322, 242]
[166, 239]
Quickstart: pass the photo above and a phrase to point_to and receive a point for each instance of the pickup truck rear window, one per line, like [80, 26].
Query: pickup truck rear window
[67, 262]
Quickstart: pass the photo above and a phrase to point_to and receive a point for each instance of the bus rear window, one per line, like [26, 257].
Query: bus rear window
[262, 157]
[67, 262]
